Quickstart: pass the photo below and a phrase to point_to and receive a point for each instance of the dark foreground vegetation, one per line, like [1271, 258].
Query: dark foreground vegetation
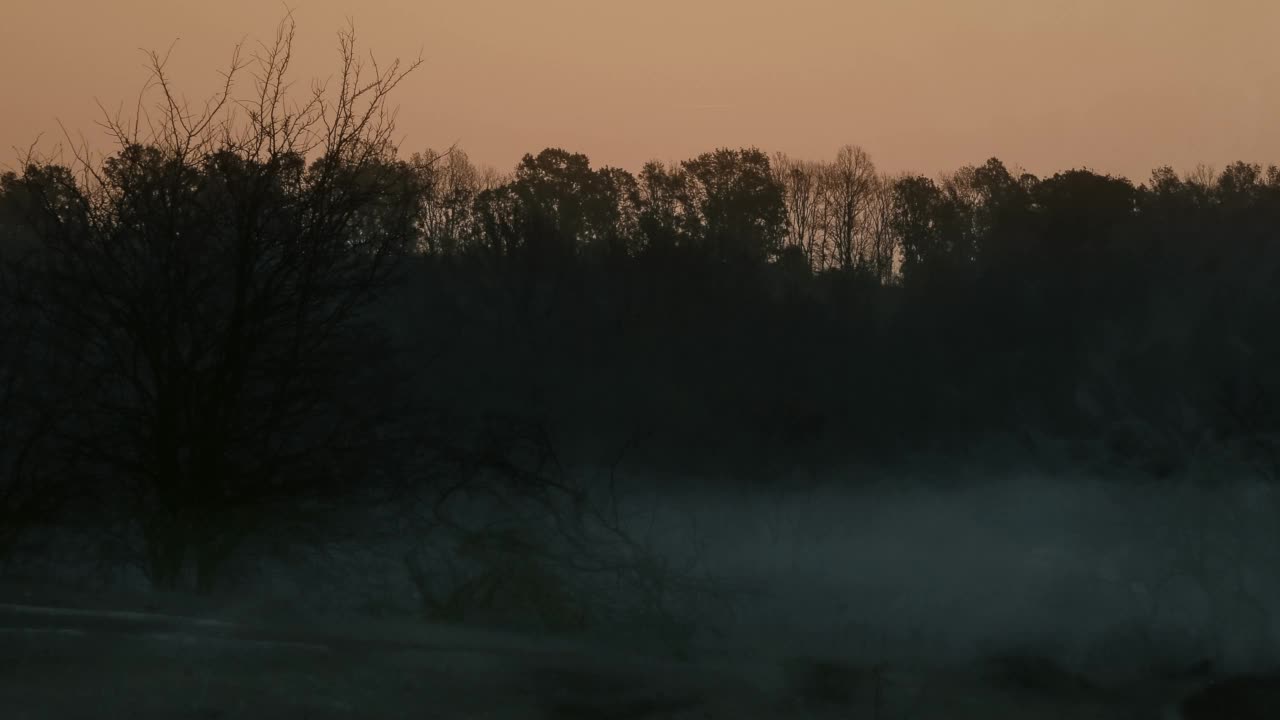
[258, 329]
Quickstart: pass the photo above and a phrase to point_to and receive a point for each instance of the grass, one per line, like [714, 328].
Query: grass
[95, 665]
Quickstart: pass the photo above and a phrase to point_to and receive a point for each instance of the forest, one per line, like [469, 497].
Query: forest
[265, 325]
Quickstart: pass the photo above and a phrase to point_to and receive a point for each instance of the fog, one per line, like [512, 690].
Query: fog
[1105, 575]
[1089, 570]
[291, 414]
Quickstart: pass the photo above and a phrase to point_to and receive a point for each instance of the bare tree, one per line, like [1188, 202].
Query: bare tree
[451, 183]
[850, 184]
[883, 252]
[214, 271]
[1203, 177]
[514, 532]
[807, 208]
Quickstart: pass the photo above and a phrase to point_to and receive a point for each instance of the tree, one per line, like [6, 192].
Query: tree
[1087, 248]
[570, 209]
[615, 210]
[42, 375]
[666, 218]
[1082, 207]
[450, 185]
[215, 280]
[34, 407]
[740, 205]
[931, 229]
[554, 190]
[884, 252]
[807, 207]
[850, 187]
[557, 208]
[497, 214]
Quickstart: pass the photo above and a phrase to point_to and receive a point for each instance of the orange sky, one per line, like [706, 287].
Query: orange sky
[926, 85]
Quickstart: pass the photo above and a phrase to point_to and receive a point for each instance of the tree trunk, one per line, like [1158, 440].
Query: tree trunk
[167, 545]
[211, 559]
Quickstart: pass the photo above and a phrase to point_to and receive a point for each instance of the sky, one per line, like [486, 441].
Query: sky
[1119, 86]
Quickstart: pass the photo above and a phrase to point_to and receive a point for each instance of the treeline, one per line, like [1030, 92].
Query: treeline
[898, 311]
[736, 207]
[823, 312]
[232, 327]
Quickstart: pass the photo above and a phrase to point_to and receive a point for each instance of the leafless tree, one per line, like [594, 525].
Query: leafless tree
[807, 209]
[513, 526]
[214, 271]
[883, 252]
[1203, 177]
[451, 183]
[850, 184]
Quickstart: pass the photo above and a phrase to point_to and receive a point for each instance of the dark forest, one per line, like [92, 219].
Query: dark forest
[265, 332]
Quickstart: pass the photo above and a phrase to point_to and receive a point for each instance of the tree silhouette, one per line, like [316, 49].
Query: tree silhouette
[196, 318]
[740, 205]
[851, 182]
[808, 212]
[450, 184]
[667, 219]
[215, 279]
[936, 244]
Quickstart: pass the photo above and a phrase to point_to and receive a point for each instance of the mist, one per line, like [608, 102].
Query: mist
[297, 419]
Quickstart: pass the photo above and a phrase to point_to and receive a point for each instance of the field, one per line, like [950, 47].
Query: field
[78, 662]
[1027, 599]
